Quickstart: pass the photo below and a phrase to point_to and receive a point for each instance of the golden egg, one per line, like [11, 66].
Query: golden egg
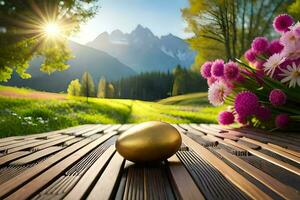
[149, 141]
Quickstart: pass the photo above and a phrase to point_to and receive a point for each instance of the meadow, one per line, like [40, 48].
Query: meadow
[24, 111]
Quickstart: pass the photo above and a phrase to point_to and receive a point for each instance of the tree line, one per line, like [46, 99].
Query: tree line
[86, 87]
[145, 86]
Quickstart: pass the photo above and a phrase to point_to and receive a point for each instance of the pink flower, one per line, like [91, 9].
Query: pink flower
[226, 118]
[250, 55]
[240, 119]
[282, 23]
[217, 69]
[277, 97]
[205, 70]
[282, 120]
[246, 103]
[275, 47]
[231, 71]
[217, 93]
[263, 113]
[291, 43]
[260, 44]
[273, 63]
[211, 80]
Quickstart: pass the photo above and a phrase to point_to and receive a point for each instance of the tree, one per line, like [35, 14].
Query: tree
[74, 88]
[110, 93]
[294, 9]
[102, 88]
[87, 85]
[226, 28]
[24, 33]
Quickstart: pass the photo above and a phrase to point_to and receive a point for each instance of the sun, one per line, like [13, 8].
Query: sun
[52, 29]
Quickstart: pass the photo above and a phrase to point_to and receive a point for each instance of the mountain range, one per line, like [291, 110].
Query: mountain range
[113, 56]
[143, 51]
[96, 62]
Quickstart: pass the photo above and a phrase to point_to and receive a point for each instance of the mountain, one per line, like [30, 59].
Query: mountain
[96, 62]
[143, 51]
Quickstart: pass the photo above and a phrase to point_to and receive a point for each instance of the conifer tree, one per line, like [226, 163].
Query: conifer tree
[101, 88]
[87, 86]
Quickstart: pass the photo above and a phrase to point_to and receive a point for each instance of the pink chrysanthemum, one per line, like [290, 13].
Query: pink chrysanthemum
[263, 113]
[217, 69]
[211, 80]
[226, 118]
[250, 55]
[291, 43]
[282, 23]
[231, 71]
[282, 120]
[277, 97]
[246, 103]
[205, 70]
[217, 93]
[260, 44]
[275, 47]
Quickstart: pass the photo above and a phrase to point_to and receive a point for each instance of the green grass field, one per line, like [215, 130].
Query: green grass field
[21, 115]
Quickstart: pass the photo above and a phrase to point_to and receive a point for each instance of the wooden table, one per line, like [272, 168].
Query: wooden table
[213, 163]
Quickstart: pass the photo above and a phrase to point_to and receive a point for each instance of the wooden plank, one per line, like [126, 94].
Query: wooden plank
[79, 190]
[25, 142]
[30, 173]
[270, 148]
[279, 163]
[112, 128]
[281, 189]
[98, 130]
[37, 143]
[206, 129]
[37, 183]
[13, 156]
[36, 155]
[92, 128]
[236, 132]
[295, 153]
[237, 179]
[184, 183]
[106, 183]
[53, 143]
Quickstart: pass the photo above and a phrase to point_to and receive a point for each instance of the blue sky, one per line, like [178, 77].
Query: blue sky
[160, 16]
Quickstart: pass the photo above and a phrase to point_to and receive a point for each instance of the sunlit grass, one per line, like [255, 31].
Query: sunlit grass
[27, 116]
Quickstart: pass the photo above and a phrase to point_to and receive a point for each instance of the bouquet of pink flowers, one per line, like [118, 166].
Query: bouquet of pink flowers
[265, 92]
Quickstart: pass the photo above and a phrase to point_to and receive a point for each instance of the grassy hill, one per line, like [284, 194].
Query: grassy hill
[24, 111]
[194, 99]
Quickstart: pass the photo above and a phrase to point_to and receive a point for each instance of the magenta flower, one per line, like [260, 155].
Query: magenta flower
[263, 113]
[282, 120]
[260, 44]
[217, 69]
[275, 47]
[205, 70]
[240, 119]
[231, 71]
[259, 65]
[217, 93]
[250, 55]
[246, 103]
[282, 23]
[211, 80]
[226, 118]
[277, 97]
